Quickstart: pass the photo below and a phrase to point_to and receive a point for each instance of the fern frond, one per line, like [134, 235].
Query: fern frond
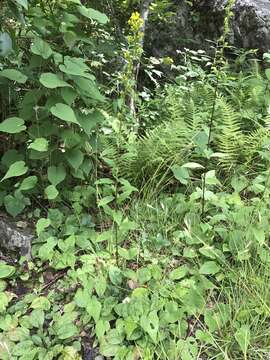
[229, 138]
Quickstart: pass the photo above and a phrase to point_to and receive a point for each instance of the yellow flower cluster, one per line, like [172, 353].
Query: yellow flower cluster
[135, 22]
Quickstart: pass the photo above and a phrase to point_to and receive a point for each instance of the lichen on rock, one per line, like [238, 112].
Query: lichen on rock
[13, 238]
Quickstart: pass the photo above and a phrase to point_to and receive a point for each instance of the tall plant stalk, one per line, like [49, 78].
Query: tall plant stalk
[216, 70]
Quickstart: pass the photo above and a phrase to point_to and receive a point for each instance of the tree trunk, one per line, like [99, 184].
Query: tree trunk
[144, 12]
[145, 7]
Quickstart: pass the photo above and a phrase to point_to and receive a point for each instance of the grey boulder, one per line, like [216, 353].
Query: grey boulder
[250, 23]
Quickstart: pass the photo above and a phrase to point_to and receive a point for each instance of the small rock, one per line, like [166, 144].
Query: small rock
[99, 357]
[14, 238]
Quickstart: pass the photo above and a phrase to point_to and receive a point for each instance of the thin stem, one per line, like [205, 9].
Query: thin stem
[211, 125]
[116, 227]
[219, 56]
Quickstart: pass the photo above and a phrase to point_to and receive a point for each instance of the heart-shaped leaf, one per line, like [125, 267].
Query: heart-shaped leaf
[41, 48]
[209, 268]
[64, 112]
[28, 183]
[75, 158]
[93, 14]
[179, 273]
[242, 337]
[56, 174]
[75, 66]
[42, 224]
[51, 192]
[52, 81]
[150, 324]
[39, 144]
[14, 205]
[14, 75]
[12, 125]
[6, 270]
[16, 169]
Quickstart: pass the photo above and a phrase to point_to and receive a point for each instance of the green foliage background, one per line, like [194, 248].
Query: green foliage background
[148, 195]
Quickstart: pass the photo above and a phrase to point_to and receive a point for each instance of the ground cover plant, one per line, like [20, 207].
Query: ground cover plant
[148, 195]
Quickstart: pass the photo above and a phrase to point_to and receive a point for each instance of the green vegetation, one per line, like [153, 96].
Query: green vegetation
[149, 193]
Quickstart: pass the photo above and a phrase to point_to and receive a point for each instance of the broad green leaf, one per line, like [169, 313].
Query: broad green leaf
[115, 275]
[56, 174]
[239, 183]
[194, 301]
[52, 81]
[28, 183]
[211, 319]
[51, 192]
[13, 75]
[10, 157]
[211, 179]
[179, 273]
[64, 112]
[209, 251]
[100, 285]
[188, 349]
[106, 200]
[37, 318]
[242, 337]
[180, 174]
[6, 271]
[89, 88]
[172, 312]
[66, 331]
[259, 235]
[81, 298]
[75, 158]
[90, 121]
[39, 144]
[104, 181]
[75, 66]
[68, 95]
[70, 38]
[4, 301]
[14, 204]
[144, 275]
[115, 337]
[94, 308]
[209, 268]
[192, 165]
[150, 324]
[93, 14]
[46, 251]
[108, 350]
[104, 236]
[101, 327]
[5, 44]
[16, 169]
[41, 302]
[12, 125]
[42, 224]
[22, 348]
[41, 48]
[69, 352]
